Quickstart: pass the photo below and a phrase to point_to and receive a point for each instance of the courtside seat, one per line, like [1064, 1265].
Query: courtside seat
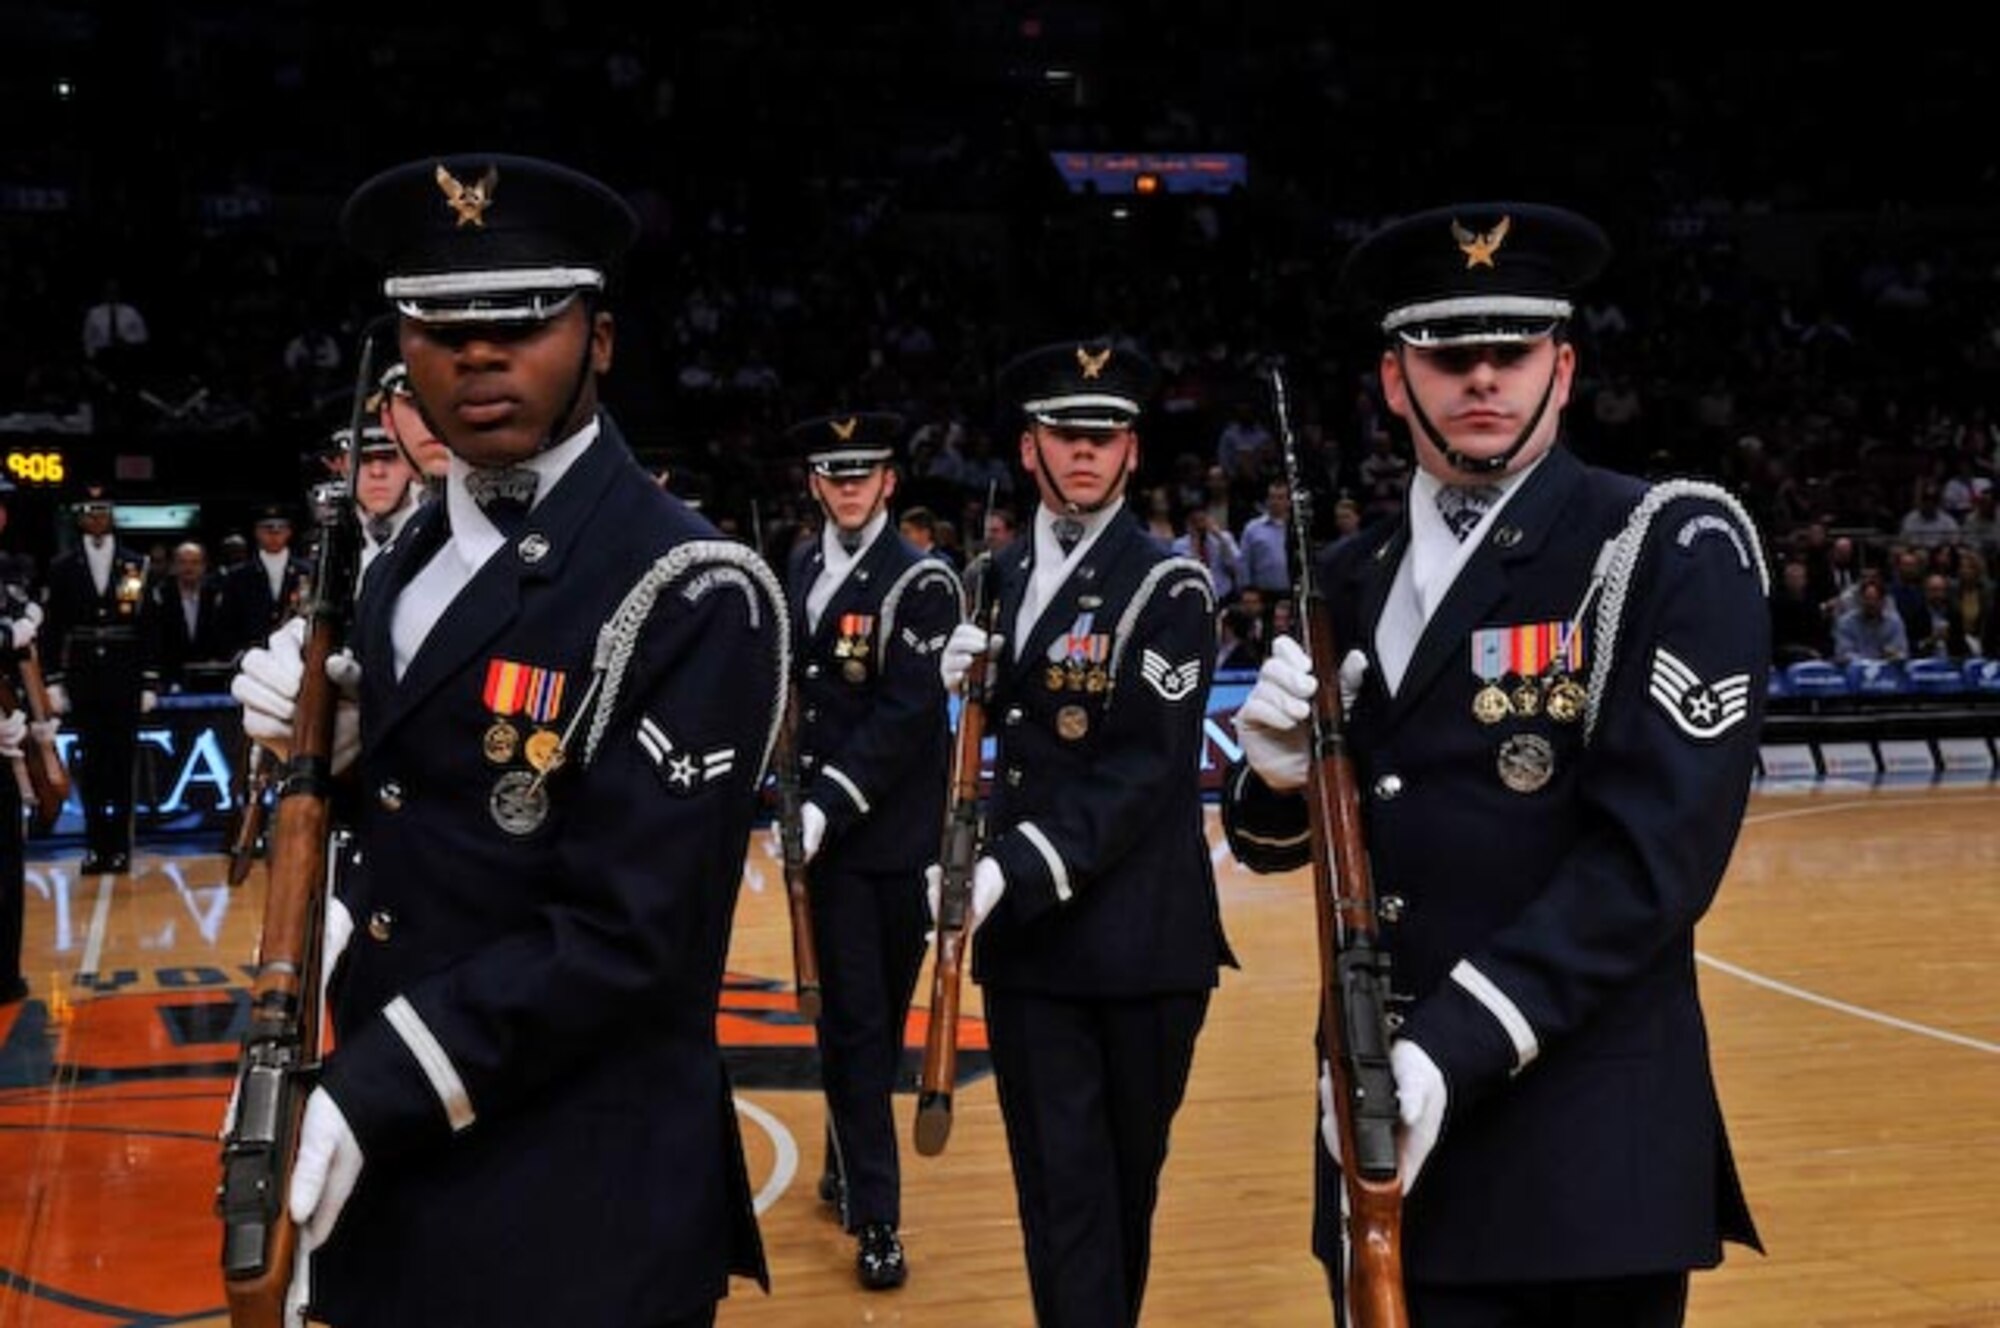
[1815, 678]
[1877, 677]
[1983, 676]
[1935, 677]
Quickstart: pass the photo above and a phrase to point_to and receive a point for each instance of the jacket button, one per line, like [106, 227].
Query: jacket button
[1388, 787]
[381, 922]
[812, 670]
[1014, 776]
[390, 796]
[810, 714]
[1013, 716]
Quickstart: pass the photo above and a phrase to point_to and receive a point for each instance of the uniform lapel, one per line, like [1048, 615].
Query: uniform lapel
[1085, 582]
[490, 603]
[1516, 535]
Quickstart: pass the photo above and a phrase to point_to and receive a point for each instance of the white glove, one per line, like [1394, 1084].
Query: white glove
[988, 884]
[1329, 1124]
[1271, 722]
[23, 627]
[149, 701]
[812, 829]
[13, 732]
[1420, 1100]
[335, 933]
[58, 699]
[267, 684]
[967, 642]
[44, 730]
[329, 1162]
[31, 612]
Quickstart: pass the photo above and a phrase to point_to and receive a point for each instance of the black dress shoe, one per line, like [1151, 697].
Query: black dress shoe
[94, 866]
[879, 1260]
[832, 1191]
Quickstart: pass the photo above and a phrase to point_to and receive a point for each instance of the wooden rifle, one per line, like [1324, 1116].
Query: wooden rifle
[252, 790]
[44, 778]
[280, 1050]
[1354, 970]
[964, 835]
[792, 849]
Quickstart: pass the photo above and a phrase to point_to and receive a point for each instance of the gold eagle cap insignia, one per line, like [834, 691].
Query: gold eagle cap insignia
[1092, 365]
[469, 201]
[844, 429]
[1479, 248]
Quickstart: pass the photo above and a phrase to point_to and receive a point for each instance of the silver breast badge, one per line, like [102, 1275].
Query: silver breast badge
[1526, 762]
[519, 802]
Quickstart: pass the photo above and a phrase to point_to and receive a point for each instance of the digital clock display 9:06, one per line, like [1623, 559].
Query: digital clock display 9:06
[36, 467]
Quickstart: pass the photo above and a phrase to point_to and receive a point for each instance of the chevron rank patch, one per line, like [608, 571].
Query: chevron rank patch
[683, 770]
[1174, 682]
[1701, 709]
[921, 646]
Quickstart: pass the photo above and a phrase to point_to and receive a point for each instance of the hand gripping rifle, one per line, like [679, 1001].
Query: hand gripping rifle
[964, 834]
[43, 776]
[1354, 971]
[792, 848]
[281, 1046]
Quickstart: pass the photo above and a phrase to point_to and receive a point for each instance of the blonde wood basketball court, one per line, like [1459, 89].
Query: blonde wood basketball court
[1849, 972]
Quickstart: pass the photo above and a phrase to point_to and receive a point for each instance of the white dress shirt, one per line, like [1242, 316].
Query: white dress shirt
[838, 562]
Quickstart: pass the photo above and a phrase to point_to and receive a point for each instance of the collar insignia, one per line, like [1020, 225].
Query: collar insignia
[469, 201]
[844, 429]
[1477, 248]
[1092, 365]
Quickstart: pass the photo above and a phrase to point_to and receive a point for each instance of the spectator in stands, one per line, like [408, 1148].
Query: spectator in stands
[110, 326]
[1842, 577]
[186, 617]
[1214, 549]
[919, 527]
[1981, 530]
[1385, 474]
[1798, 625]
[1905, 585]
[1159, 514]
[1870, 630]
[1245, 449]
[1235, 648]
[1927, 522]
[1943, 635]
[1266, 542]
[1972, 598]
[1002, 526]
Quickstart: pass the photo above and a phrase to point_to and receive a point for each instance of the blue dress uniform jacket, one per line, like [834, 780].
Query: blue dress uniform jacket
[249, 612]
[874, 739]
[98, 645]
[874, 731]
[1552, 883]
[1110, 891]
[525, 1020]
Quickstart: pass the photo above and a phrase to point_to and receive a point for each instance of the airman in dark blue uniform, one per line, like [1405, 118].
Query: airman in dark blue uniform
[1555, 679]
[100, 672]
[870, 615]
[569, 688]
[1102, 937]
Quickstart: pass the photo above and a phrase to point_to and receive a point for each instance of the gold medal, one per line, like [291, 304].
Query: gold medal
[1054, 677]
[1490, 705]
[1072, 722]
[500, 743]
[859, 647]
[1566, 701]
[854, 671]
[840, 648]
[1095, 680]
[544, 749]
[1528, 699]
